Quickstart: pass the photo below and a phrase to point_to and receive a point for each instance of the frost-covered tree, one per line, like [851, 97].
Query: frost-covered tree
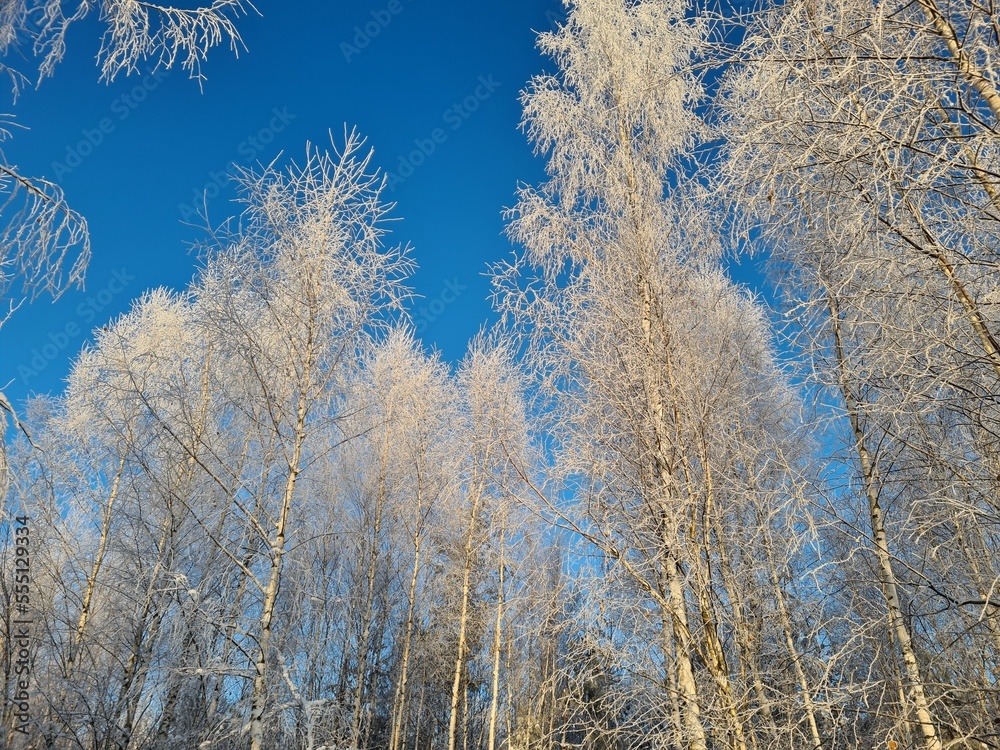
[133, 32]
[861, 152]
[265, 517]
[46, 246]
[293, 298]
[105, 485]
[662, 390]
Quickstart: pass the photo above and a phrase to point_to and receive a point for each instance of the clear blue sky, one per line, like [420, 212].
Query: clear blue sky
[159, 153]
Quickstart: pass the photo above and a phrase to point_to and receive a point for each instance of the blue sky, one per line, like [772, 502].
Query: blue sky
[134, 156]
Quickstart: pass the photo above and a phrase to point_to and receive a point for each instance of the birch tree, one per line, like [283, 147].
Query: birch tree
[493, 430]
[861, 149]
[294, 296]
[659, 371]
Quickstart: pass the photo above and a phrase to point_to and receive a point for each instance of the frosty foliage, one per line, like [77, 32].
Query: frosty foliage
[621, 106]
[305, 270]
[156, 349]
[45, 243]
[613, 124]
[135, 32]
[862, 155]
[862, 142]
[670, 423]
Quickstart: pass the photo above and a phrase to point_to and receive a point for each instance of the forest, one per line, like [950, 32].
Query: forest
[648, 510]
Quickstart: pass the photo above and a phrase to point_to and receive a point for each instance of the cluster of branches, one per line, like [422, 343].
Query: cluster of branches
[644, 513]
[44, 243]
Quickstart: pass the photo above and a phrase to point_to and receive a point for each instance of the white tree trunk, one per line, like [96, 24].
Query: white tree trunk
[95, 569]
[463, 618]
[259, 699]
[915, 689]
[399, 700]
[497, 632]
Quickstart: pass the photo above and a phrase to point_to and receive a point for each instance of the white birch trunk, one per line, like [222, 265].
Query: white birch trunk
[915, 689]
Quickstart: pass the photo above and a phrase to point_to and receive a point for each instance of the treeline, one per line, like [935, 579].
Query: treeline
[643, 512]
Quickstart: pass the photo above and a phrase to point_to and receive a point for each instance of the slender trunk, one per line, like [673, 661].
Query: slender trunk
[235, 606]
[716, 661]
[718, 667]
[463, 618]
[672, 564]
[420, 714]
[147, 629]
[399, 700]
[133, 677]
[935, 251]
[786, 626]
[228, 643]
[361, 675]
[917, 696]
[95, 570]
[694, 730]
[976, 551]
[509, 712]
[688, 689]
[748, 655]
[259, 699]
[495, 690]
[465, 720]
[670, 676]
[553, 706]
[173, 695]
[973, 76]
[90, 586]
[310, 726]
